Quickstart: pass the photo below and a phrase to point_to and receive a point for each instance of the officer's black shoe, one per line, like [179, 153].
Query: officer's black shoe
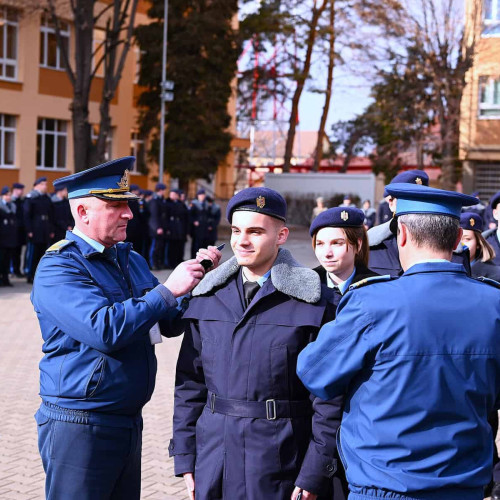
[495, 492]
[19, 275]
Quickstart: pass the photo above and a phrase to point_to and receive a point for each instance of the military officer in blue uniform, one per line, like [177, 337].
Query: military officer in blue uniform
[492, 236]
[198, 215]
[384, 254]
[100, 311]
[63, 220]
[419, 379]
[178, 226]
[39, 223]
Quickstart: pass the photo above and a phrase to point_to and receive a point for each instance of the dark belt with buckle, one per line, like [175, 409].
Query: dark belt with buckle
[271, 409]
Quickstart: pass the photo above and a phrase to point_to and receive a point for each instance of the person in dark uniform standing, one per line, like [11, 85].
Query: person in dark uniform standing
[63, 220]
[384, 213]
[482, 254]
[18, 199]
[213, 221]
[138, 224]
[418, 358]
[39, 223]
[178, 222]
[340, 243]
[492, 236]
[244, 426]
[101, 312]
[384, 253]
[158, 224]
[198, 215]
[8, 234]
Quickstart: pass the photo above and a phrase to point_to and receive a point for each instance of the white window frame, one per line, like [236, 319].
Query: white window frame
[46, 30]
[94, 135]
[495, 12]
[3, 130]
[4, 60]
[135, 142]
[98, 37]
[483, 107]
[58, 136]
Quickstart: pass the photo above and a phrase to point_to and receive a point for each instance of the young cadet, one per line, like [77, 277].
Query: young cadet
[420, 381]
[100, 311]
[492, 236]
[341, 246]
[244, 425]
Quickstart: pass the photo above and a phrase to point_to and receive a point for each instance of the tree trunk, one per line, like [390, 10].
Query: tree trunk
[301, 80]
[328, 94]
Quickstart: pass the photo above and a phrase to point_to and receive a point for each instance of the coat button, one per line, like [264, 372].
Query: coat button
[329, 468]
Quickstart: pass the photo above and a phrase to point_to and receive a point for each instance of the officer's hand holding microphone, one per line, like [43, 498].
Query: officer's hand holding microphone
[189, 273]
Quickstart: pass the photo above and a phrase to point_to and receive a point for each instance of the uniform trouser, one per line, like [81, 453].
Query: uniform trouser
[5, 256]
[158, 252]
[90, 462]
[175, 252]
[196, 244]
[34, 252]
[493, 421]
[16, 259]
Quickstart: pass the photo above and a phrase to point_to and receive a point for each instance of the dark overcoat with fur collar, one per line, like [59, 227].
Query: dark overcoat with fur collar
[251, 355]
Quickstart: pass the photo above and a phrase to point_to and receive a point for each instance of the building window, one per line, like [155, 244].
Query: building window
[7, 140]
[50, 52]
[9, 27]
[94, 135]
[491, 10]
[52, 139]
[137, 149]
[98, 46]
[489, 97]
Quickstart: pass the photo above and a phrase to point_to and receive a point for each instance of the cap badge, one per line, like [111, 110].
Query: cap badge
[344, 215]
[261, 202]
[472, 222]
[123, 184]
[418, 180]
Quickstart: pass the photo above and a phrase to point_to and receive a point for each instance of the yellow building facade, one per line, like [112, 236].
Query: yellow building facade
[480, 110]
[36, 137]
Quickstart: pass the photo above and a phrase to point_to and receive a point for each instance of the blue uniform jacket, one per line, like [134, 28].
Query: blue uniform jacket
[421, 369]
[491, 237]
[95, 322]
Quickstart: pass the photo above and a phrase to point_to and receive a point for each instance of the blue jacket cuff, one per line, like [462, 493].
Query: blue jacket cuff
[184, 464]
[166, 295]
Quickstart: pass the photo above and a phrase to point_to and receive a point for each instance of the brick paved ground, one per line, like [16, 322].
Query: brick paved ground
[21, 473]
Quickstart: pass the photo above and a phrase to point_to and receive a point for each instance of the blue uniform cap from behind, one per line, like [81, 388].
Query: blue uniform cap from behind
[338, 217]
[108, 181]
[419, 199]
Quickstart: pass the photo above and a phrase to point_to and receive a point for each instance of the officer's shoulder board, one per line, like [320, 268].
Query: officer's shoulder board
[371, 280]
[488, 281]
[58, 246]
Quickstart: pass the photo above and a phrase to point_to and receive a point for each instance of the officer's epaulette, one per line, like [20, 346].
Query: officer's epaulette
[370, 280]
[58, 246]
[489, 281]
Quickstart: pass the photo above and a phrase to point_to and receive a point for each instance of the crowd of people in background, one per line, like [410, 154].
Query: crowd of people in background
[162, 221]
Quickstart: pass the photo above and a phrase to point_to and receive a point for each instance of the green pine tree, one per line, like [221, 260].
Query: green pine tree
[202, 54]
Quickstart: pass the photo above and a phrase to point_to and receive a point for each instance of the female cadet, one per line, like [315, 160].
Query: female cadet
[341, 246]
[481, 252]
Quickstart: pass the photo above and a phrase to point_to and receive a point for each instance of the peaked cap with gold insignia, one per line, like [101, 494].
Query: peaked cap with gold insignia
[108, 181]
[261, 200]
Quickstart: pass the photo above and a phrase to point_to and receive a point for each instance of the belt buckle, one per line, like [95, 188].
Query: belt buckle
[212, 403]
[271, 409]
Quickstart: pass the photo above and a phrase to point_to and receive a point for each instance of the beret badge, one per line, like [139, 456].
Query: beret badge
[418, 181]
[344, 215]
[472, 222]
[261, 202]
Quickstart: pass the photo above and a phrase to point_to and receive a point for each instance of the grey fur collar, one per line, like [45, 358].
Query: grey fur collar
[287, 276]
[378, 234]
